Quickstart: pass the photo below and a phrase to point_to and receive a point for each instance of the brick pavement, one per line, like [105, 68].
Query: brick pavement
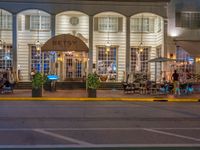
[100, 93]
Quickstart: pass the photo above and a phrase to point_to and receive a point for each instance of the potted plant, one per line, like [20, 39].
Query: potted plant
[93, 83]
[37, 83]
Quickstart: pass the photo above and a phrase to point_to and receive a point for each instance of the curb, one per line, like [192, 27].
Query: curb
[100, 99]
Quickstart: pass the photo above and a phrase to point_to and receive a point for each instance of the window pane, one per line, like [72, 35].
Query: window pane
[144, 56]
[6, 58]
[108, 24]
[35, 22]
[45, 22]
[107, 62]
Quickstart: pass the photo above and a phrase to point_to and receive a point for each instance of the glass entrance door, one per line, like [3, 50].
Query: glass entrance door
[75, 66]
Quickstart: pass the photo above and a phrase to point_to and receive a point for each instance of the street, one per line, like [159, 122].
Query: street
[109, 124]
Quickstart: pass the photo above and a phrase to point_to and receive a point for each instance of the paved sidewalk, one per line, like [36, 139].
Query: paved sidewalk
[101, 95]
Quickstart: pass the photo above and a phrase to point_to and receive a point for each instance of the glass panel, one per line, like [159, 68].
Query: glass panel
[185, 61]
[45, 22]
[107, 62]
[35, 22]
[144, 56]
[6, 58]
[36, 60]
[108, 24]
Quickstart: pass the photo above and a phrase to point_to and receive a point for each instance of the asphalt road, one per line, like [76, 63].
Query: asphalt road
[100, 125]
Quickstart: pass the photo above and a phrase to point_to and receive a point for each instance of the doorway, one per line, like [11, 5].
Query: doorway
[75, 66]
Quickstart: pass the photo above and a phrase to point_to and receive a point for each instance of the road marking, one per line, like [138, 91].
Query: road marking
[91, 129]
[172, 134]
[63, 137]
[102, 146]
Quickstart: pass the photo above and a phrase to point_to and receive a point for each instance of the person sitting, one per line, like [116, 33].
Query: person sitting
[7, 87]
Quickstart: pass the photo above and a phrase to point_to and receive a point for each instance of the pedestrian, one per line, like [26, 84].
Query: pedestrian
[175, 79]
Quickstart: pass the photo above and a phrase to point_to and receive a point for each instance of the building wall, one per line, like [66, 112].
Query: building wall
[91, 8]
[117, 39]
[177, 32]
[151, 40]
[25, 38]
[6, 35]
[63, 25]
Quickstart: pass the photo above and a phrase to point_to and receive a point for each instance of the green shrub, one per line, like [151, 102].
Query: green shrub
[93, 81]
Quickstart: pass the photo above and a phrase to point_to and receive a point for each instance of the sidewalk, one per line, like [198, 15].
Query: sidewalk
[101, 95]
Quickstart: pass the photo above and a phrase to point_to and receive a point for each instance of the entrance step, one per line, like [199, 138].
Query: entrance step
[73, 85]
[70, 85]
[111, 85]
[23, 85]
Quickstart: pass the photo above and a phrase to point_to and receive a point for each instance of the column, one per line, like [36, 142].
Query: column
[128, 45]
[165, 37]
[54, 65]
[166, 65]
[53, 25]
[90, 65]
[14, 41]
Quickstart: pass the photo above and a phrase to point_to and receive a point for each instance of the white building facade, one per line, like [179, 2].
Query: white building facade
[114, 32]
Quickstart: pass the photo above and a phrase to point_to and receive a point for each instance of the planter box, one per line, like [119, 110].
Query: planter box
[92, 93]
[37, 92]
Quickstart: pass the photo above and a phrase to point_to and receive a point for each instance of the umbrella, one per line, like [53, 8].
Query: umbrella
[159, 59]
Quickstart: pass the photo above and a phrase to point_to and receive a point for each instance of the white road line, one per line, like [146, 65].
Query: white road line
[172, 134]
[91, 129]
[63, 137]
[101, 146]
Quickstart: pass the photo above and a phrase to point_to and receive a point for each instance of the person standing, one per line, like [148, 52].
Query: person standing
[175, 79]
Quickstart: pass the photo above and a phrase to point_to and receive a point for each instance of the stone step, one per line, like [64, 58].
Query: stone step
[73, 85]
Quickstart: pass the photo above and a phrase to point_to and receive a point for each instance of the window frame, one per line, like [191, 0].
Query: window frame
[111, 24]
[97, 59]
[42, 63]
[6, 22]
[147, 28]
[3, 54]
[133, 61]
[41, 23]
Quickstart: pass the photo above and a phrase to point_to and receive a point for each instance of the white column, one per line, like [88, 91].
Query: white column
[14, 41]
[90, 65]
[128, 69]
[53, 25]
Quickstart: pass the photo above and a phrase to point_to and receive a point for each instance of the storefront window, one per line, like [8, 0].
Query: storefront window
[107, 62]
[184, 60]
[6, 57]
[36, 60]
[144, 56]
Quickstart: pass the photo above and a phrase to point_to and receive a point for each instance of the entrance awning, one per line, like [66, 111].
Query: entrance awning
[192, 47]
[65, 42]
